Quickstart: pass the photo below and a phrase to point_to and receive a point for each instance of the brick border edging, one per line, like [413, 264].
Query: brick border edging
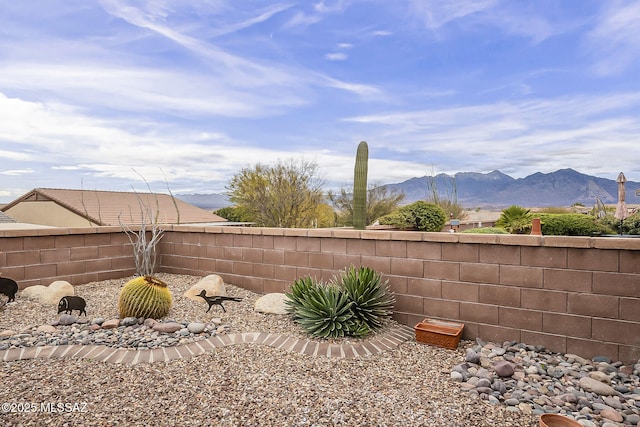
[128, 356]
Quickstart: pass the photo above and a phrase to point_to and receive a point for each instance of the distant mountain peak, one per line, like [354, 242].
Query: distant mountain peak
[563, 187]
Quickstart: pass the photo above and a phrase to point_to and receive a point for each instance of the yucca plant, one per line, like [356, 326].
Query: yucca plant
[372, 300]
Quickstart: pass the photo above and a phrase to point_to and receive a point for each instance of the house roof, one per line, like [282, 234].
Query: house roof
[5, 219]
[114, 207]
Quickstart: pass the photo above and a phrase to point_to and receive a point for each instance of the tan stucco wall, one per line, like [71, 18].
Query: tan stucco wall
[46, 213]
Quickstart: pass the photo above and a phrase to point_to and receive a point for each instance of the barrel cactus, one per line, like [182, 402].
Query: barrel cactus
[144, 296]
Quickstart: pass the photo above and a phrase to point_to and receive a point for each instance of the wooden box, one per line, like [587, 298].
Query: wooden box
[439, 333]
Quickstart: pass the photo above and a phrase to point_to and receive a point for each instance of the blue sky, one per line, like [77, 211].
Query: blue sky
[97, 94]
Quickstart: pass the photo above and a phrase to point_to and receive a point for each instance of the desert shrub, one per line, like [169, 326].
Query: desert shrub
[486, 230]
[395, 218]
[351, 305]
[515, 219]
[572, 225]
[631, 225]
[419, 215]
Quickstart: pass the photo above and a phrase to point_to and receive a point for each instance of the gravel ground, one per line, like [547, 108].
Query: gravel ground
[244, 385]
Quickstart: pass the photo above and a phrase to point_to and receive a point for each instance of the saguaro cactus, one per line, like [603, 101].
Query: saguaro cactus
[360, 187]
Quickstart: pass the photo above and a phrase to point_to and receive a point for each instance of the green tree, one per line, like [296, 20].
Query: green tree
[285, 195]
[234, 214]
[380, 202]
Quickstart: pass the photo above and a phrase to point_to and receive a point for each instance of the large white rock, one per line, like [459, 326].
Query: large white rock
[49, 294]
[274, 303]
[213, 284]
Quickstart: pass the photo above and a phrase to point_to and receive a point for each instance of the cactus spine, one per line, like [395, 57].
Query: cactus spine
[144, 296]
[360, 187]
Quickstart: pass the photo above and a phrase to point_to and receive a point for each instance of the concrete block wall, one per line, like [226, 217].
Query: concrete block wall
[77, 255]
[571, 294]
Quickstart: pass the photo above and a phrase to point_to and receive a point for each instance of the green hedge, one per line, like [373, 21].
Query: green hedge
[572, 225]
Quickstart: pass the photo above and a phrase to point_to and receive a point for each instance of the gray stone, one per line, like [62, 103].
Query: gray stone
[67, 319]
[504, 369]
[129, 321]
[612, 402]
[483, 382]
[595, 386]
[196, 327]
[632, 419]
[499, 386]
[456, 376]
[472, 357]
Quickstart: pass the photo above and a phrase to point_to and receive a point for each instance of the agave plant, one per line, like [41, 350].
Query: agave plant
[298, 293]
[372, 300]
[324, 311]
[354, 304]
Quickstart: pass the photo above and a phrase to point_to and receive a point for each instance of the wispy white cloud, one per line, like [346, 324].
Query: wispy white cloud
[503, 15]
[436, 14]
[543, 134]
[16, 172]
[615, 39]
[336, 56]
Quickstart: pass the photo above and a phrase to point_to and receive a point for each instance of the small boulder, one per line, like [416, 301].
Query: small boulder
[49, 294]
[213, 284]
[7, 333]
[274, 303]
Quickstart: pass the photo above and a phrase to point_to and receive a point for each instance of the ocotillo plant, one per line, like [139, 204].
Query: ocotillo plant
[360, 187]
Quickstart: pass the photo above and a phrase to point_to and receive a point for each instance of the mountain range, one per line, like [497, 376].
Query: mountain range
[561, 188]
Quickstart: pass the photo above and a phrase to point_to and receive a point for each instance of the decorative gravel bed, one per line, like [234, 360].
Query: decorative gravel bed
[242, 385]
